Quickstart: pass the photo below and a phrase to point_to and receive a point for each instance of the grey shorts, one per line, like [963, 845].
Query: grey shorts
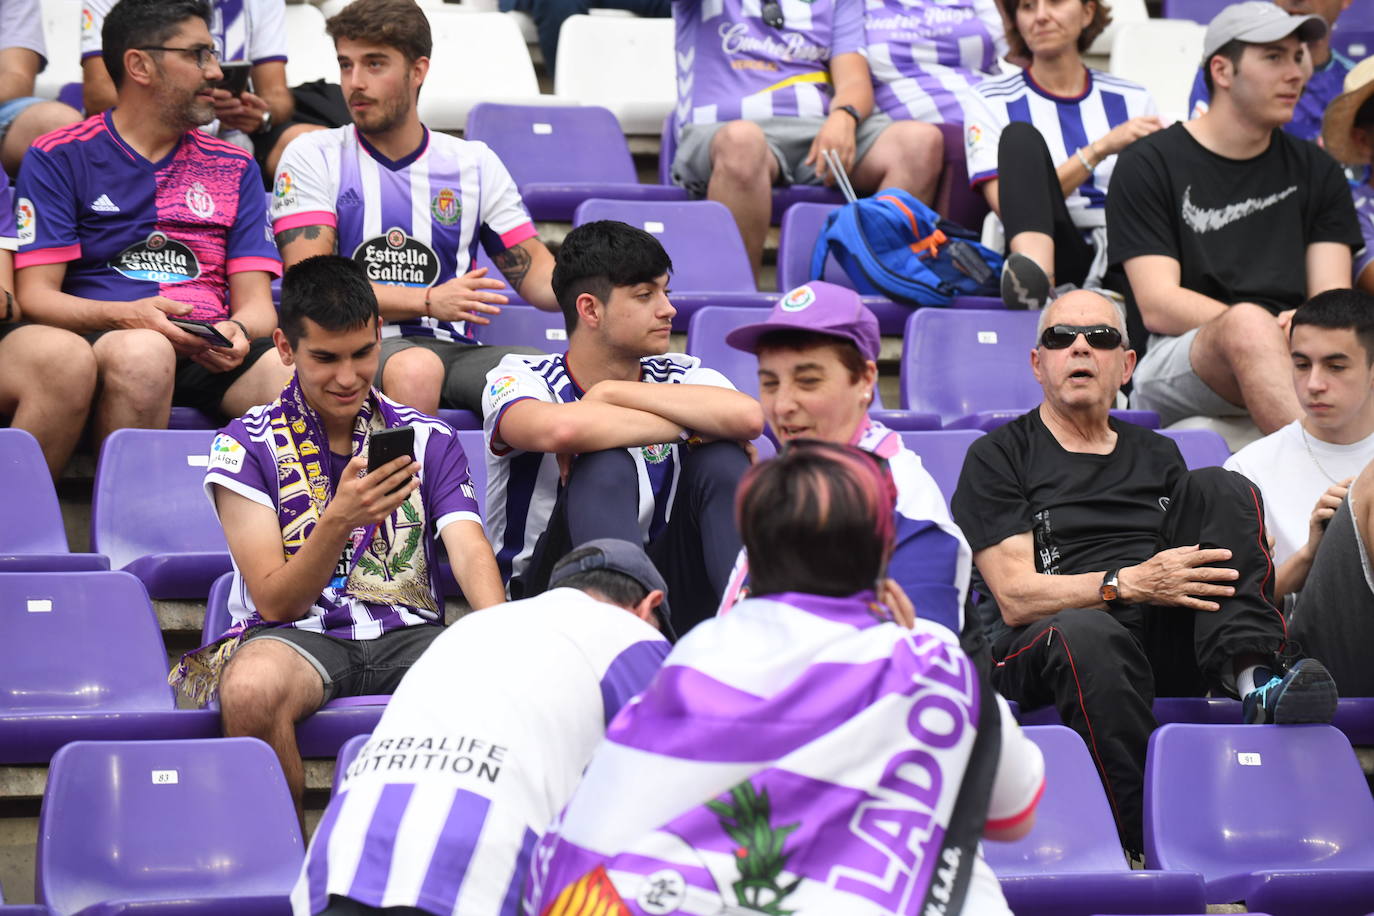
[465, 367]
[1166, 383]
[356, 667]
[789, 139]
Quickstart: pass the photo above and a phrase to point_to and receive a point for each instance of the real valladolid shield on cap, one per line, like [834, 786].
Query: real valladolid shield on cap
[1257, 22]
[819, 307]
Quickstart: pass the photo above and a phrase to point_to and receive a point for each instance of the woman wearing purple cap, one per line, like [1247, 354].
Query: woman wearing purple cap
[817, 371]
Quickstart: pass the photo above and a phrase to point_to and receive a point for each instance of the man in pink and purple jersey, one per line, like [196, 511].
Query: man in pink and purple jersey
[411, 206]
[149, 236]
[764, 90]
[335, 588]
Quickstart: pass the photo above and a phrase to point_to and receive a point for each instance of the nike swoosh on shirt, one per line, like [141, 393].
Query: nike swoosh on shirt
[1203, 220]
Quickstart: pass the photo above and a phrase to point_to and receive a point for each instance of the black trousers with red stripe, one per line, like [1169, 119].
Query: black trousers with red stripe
[1102, 669]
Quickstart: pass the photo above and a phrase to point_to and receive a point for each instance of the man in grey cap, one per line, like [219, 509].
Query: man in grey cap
[1225, 224]
[483, 743]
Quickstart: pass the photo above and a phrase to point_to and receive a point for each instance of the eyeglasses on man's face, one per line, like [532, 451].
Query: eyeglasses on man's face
[202, 54]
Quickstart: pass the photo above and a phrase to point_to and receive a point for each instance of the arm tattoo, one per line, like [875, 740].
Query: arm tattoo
[310, 234]
[515, 264]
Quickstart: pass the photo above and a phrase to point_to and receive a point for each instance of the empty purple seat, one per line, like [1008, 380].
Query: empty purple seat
[204, 826]
[190, 418]
[82, 657]
[1071, 863]
[1201, 448]
[1354, 43]
[958, 363]
[942, 454]
[149, 513]
[1197, 10]
[560, 156]
[1279, 817]
[322, 733]
[32, 537]
[526, 326]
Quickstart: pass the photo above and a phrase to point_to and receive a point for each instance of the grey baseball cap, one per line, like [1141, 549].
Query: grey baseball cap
[1257, 22]
[622, 557]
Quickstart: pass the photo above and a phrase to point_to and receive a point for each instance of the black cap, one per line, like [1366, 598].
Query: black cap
[622, 557]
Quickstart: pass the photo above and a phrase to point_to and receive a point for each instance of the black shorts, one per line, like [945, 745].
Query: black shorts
[356, 667]
[198, 387]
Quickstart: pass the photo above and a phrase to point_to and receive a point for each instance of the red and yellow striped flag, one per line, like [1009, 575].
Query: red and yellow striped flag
[591, 895]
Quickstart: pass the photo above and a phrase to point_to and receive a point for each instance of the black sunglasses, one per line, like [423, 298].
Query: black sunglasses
[1099, 336]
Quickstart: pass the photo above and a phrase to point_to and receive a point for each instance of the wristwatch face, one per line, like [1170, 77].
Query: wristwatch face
[1109, 592]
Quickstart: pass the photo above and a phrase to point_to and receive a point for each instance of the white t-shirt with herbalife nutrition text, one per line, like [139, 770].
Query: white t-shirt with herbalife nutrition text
[1292, 479]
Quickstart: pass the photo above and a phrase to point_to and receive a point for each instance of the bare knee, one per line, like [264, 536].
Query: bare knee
[291, 133]
[739, 152]
[32, 123]
[1246, 330]
[267, 685]
[53, 361]
[414, 376]
[908, 154]
[138, 364]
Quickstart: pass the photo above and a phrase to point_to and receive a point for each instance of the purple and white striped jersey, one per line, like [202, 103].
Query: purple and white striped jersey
[481, 746]
[1364, 212]
[523, 486]
[926, 55]
[411, 222]
[241, 460]
[732, 65]
[244, 30]
[1067, 124]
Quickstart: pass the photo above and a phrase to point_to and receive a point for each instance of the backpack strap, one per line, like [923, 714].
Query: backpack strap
[928, 247]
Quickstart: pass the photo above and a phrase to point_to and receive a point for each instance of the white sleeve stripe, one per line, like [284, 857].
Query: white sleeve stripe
[446, 520]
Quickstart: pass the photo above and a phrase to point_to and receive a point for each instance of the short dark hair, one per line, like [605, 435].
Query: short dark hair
[331, 291]
[142, 24]
[399, 24]
[819, 519]
[1233, 51]
[616, 587]
[597, 257]
[1102, 17]
[845, 350]
[1338, 310]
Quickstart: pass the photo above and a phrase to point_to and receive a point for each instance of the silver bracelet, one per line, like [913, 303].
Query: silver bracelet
[1084, 159]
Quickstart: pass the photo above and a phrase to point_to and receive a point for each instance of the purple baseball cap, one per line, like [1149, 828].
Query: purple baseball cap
[819, 307]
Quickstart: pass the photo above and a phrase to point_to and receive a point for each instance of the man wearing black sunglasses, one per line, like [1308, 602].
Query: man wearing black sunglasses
[1112, 573]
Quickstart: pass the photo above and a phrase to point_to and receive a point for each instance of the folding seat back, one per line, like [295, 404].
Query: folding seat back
[149, 513]
[1162, 55]
[638, 82]
[30, 517]
[957, 362]
[699, 235]
[541, 143]
[1199, 11]
[527, 326]
[312, 50]
[942, 454]
[801, 226]
[480, 57]
[1201, 448]
[208, 823]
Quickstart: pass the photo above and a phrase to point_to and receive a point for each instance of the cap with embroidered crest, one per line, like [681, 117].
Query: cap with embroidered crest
[819, 307]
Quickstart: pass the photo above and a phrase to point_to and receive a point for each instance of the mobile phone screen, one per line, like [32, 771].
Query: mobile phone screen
[235, 77]
[388, 445]
[202, 329]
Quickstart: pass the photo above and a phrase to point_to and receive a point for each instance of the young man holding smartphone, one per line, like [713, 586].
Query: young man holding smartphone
[335, 587]
[134, 218]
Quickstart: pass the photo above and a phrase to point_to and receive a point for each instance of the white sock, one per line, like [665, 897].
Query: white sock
[1245, 681]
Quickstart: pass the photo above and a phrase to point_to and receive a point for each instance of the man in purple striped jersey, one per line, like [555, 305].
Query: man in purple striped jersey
[335, 589]
[484, 742]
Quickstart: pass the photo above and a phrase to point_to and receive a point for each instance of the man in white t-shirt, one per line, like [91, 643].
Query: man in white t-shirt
[617, 437]
[1305, 468]
[483, 743]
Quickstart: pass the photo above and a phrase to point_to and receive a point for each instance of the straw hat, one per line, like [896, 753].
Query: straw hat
[1340, 114]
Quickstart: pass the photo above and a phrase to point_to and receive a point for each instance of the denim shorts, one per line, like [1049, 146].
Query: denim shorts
[357, 667]
[12, 109]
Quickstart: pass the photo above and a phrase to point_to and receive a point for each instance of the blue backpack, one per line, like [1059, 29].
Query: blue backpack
[893, 245]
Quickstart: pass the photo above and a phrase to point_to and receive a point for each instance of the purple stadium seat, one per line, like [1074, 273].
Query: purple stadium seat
[525, 325]
[1354, 43]
[942, 454]
[710, 265]
[32, 537]
[1277, 816]
[346, 754]
[1071, 863]
[967, 207]
[324, 732]
[82, 658]
[461, 419]
[783, 198]
[149, 513]
[1201, 448]
[204, 827]
[1197, 10]
[1199, 710]
[957, 363]
[560, 156]
[190, 418]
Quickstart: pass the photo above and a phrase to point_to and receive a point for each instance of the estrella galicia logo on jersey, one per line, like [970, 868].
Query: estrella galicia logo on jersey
[159, 258]
[398, 259]
[798, 299]
[27, 220]
[199, 201]
[446, 207]
[657, 453]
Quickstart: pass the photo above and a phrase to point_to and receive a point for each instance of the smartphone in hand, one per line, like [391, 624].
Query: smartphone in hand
[388, 445]
[205, 330]
[235, 77]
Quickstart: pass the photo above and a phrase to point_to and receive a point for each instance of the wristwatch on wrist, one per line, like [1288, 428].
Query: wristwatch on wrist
[852, 112]
[266, 122]
[1110, 589]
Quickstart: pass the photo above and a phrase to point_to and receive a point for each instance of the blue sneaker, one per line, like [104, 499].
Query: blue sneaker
[1306, 693]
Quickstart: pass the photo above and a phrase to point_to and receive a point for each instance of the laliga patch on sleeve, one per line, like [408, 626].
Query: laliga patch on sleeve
[226, 454]
[502, 389]
[27, 219]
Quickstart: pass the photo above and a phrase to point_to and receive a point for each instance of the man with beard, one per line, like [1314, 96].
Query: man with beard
[410, 205]
[149, 236]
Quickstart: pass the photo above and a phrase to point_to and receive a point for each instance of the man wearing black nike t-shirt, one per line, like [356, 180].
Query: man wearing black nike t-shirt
[1114, 573]
[1225, 224]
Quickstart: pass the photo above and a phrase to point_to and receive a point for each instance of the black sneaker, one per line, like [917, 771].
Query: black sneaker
[1306, 693]
[1024, 284]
